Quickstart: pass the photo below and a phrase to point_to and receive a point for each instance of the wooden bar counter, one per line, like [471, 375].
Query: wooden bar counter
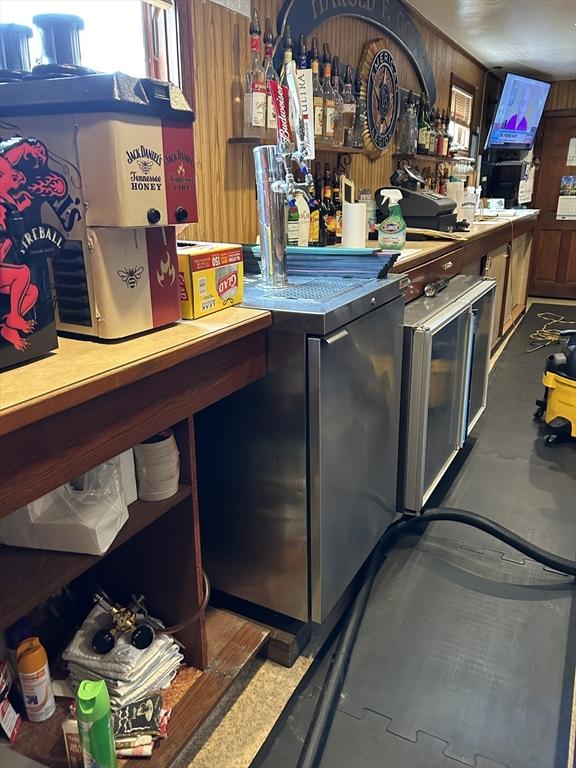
[87, 402]
[499, 248]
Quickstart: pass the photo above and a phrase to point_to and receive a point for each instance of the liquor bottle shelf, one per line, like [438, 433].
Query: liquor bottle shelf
[434, 158]
[29, 576]
[320, 146]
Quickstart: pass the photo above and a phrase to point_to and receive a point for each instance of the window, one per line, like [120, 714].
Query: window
[138, 37]
[461, 112]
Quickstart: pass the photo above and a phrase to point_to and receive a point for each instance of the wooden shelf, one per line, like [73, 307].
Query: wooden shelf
[320, 146]
[434, 158]
[30, 576]
[232, 644]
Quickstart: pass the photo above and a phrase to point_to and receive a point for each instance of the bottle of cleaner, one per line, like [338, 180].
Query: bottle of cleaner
[95, 724]
[35, 680]
[392, 231]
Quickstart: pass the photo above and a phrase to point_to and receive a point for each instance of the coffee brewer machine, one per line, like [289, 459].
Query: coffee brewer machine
[101, 170]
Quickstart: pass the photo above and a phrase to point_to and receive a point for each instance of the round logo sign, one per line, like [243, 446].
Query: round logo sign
[382, 99]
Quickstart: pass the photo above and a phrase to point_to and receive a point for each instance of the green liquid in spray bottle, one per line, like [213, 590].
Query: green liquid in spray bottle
[95, 725]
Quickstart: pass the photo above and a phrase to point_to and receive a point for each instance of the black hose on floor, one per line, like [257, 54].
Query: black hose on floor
[324, 712]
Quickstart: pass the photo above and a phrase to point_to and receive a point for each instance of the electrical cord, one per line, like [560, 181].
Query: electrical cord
[547, 335]
[315, 741]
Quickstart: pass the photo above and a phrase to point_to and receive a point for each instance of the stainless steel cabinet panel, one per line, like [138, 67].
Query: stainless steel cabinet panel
[353, 396]
[252, 473]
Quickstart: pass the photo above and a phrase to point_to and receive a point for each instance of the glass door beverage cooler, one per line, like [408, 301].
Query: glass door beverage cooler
[444, 383]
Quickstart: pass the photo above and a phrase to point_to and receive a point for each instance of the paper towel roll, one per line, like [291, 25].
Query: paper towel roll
[354, 225]
[455, 191]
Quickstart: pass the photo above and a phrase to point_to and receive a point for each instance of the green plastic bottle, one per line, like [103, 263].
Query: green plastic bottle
[392, 231]
[95, 725]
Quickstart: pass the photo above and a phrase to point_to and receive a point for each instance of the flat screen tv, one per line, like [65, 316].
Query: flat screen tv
[518, 113]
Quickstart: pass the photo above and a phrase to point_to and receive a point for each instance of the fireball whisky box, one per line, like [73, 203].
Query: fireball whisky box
[211, 277]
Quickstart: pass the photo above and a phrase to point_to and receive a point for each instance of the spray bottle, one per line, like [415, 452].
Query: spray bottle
[95, 724]
[391, 231]
[35, 680]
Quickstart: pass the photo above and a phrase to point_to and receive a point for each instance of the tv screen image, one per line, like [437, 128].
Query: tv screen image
[518, 113]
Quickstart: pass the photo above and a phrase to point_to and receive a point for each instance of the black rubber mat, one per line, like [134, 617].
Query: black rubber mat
[467, 651]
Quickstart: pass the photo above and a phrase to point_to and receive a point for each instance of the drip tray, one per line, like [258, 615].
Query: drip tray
[316, 290]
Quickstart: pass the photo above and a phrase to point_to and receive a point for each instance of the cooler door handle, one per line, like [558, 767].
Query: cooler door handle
[335, 337]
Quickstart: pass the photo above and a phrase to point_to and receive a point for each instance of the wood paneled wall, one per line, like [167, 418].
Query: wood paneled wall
[562, 95]
[225, 172]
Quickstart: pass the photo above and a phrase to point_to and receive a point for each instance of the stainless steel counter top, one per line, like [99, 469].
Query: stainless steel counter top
[319, 305]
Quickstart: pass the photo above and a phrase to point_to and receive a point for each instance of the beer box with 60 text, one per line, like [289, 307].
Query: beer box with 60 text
[211, 277]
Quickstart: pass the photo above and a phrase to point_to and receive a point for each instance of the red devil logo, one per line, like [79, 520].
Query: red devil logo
[24, 177]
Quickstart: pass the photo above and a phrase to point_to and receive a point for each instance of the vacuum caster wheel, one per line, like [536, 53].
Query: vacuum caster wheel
[538, 413]
[550, 439]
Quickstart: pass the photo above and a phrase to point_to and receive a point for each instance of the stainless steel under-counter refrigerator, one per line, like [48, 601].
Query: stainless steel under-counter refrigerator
[298, 472]
[446, 363]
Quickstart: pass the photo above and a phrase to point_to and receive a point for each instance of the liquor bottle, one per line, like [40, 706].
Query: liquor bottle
[446, 143]
[338, 104]
[317, 92]
[255, 86]
[329, 210]
[303, 220]
[288, 56]
[433, 132]
[360, 117]
[408, 128]
[349, 109]
[314, 206]
[313, 52]
[439, 133]
[442, 182]
[423, 127]
[302, 58]
[270, 74]
[322, 231]
[337, 205]
[329, 102]
[293, 218]
[318, 177]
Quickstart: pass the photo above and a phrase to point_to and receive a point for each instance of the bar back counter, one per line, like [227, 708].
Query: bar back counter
[292, 506]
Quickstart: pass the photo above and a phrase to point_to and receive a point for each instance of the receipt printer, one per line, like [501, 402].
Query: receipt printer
[421, 208]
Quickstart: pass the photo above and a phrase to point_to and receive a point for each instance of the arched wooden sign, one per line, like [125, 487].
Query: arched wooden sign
[391, 16]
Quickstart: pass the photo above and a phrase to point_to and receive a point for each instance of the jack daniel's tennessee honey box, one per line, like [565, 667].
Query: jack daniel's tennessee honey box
[99, 169]
[211, 277]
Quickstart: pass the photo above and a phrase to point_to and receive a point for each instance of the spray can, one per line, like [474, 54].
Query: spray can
[35, 680]
[95, 724]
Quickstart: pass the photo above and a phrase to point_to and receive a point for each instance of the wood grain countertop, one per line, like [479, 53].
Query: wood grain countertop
[417, 252]
[82, 369]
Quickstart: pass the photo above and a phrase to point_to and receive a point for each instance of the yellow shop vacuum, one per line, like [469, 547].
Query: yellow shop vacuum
[559, 404]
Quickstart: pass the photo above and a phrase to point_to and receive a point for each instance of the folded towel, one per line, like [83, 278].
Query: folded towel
[149, 679]
[129, 673]
[124, 662]
[161, 658]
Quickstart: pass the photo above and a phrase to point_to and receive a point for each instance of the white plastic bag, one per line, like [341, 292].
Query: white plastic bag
[83, 516]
